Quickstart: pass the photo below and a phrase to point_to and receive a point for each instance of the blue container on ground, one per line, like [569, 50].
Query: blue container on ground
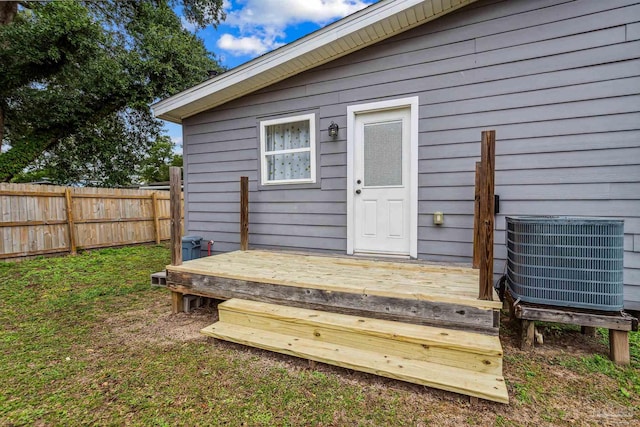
[191, 247]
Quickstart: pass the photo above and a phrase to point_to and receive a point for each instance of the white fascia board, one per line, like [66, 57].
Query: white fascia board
[228, 86]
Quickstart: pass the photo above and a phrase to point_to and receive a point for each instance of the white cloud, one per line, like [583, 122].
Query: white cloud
[177, 141]
[279, 14]
[262, 23]
[251, 45]
[189, 26]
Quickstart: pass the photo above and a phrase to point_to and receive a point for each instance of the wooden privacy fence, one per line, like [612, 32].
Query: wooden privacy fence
[48, 219]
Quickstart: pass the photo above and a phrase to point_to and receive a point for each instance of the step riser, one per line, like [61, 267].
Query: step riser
[433, 336]
[397, 346]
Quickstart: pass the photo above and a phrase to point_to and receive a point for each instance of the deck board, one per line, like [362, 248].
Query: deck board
[417, 281]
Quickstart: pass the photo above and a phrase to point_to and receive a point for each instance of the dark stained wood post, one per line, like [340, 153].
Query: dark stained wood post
[244, 213]
[487, 176]
[175, 206]
[156, 221]
[68, 198]
[476, 219]
[175, 191]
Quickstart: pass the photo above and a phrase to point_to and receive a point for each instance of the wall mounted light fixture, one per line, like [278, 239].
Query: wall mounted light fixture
[333, 130]
[438, 218]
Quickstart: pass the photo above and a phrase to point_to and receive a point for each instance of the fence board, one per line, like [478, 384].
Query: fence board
[34, 218]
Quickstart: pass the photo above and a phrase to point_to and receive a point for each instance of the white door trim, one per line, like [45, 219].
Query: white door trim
[352, 111]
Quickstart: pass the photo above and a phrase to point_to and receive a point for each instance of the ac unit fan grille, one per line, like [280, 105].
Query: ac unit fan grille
[566, 261]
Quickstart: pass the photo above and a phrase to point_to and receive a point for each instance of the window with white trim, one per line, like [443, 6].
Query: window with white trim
[288, 150]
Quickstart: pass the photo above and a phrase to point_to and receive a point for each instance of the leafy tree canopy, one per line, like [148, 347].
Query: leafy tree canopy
[77, 78]
[155, 167]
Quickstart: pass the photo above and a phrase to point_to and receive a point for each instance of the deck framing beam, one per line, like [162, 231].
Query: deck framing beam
[616, 321]
[422, 312]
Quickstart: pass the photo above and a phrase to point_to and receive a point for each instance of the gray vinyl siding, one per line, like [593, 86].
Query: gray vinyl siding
[559, 81]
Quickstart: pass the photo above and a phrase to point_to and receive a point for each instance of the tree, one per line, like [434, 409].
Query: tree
[155, 167]
[77, 78]
[109, 153]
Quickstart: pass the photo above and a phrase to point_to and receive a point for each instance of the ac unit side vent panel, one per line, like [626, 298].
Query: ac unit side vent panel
[566, 261]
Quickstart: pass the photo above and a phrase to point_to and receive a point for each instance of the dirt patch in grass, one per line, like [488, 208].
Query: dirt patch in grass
[154, 324]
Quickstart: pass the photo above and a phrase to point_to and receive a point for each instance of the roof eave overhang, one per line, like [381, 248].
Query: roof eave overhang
[364, 28]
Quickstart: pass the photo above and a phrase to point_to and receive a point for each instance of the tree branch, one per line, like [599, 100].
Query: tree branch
[8, 11]
[13, 161]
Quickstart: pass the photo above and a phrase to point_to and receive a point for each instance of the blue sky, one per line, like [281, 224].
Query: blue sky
[255, 27]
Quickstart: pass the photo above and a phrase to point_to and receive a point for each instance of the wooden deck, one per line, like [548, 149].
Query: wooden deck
[413, 292]
[416, 280]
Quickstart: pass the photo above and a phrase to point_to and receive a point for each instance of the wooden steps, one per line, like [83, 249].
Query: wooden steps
[463, 362]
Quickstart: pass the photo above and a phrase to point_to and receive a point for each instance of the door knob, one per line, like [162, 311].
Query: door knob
[358, 191]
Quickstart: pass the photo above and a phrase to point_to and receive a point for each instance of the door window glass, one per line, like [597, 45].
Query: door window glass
[383, 154]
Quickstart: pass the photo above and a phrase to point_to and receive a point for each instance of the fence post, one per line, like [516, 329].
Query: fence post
[156, 221]
[486, 223]
[72, 228]
[244, 213]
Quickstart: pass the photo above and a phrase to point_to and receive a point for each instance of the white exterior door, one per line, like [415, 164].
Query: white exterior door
[382, 182]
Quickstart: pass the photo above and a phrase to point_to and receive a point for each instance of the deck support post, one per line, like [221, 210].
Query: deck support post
[527, 334]
[177, 302]
[486, 220]
[175, 202]
[244, 213]
[476, 219]
[619, 347]
[176, 215]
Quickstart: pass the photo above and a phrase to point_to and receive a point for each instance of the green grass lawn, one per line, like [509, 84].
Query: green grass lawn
[86, 340]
